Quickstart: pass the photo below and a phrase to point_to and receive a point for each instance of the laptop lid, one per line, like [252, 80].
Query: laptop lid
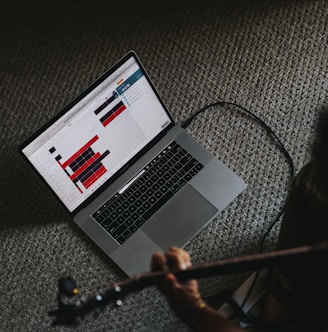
[87, 145]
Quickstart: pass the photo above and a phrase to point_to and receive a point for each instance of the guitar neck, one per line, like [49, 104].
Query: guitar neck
[69, 314]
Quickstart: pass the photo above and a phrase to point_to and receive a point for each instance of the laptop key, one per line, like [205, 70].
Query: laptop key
[118, 231]
[99, 217]
[140, 222]
[158, 204]
[121, 239]
[176, 188]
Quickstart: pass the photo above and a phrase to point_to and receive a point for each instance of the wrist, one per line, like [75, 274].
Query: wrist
[197, 313]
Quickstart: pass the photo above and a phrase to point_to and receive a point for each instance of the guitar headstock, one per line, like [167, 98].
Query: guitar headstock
[72, 308]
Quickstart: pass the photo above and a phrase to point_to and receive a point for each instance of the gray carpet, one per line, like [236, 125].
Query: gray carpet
[268, 56]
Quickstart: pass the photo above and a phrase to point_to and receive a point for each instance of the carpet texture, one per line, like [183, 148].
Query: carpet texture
[269, 56]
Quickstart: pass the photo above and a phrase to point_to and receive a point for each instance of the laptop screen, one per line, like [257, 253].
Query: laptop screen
[98, 134]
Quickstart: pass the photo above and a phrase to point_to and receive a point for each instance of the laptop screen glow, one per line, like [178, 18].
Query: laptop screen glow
[86, 146]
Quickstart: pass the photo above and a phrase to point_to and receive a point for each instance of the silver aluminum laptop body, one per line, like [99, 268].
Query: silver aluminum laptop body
[120, 124]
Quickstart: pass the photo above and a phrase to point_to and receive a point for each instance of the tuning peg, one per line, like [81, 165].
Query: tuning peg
[118, 290]
[67, 286]
[119, 302]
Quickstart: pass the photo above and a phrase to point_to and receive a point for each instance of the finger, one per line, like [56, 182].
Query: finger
[171, 285]
[158, 262]
[171, 280]
[179, 293]
[178, 258]
[182, 254]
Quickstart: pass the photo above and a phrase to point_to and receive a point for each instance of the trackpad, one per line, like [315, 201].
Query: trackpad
[180, 219]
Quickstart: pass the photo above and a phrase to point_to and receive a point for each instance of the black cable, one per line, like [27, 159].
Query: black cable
[187, 122]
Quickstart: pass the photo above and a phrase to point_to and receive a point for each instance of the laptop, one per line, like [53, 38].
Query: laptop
[130, 177]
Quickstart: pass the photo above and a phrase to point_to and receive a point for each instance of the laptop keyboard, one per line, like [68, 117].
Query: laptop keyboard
[126, 211]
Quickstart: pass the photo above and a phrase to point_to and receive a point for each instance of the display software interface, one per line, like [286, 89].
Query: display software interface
[98, 135]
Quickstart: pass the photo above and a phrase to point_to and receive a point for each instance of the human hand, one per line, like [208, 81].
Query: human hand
[183, 297]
